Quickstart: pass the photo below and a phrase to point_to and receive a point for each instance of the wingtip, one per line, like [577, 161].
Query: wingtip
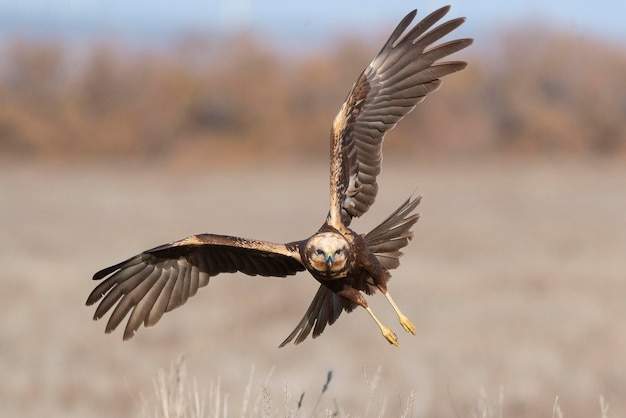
[93, 298]
[99, 275]
[110, 327]
[295, 338]
[415, 197]
[440, 12]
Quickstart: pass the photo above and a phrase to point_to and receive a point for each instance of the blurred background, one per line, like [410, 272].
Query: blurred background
[127, 125]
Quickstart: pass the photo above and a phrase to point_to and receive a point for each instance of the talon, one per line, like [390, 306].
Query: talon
[407, 324]
[390, 336]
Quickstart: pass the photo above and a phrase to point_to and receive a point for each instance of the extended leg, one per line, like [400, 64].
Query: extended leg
[355, 296]
[387, 332]
[404, 321]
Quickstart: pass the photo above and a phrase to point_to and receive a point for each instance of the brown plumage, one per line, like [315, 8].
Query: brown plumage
[345, 263]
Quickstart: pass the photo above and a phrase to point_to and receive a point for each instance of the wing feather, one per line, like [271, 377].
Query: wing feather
[403, 73]
[163, 278]
[130, 300]
[141, 313]
[160, 306]
[141, 310]
[195, 278]
[127, 281]
[177, 297]
[205, 271]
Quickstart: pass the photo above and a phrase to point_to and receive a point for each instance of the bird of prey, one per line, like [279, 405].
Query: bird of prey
[344, 262]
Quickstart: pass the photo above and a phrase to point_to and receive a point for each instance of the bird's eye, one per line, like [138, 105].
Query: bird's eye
[320, 252]
[339, 251]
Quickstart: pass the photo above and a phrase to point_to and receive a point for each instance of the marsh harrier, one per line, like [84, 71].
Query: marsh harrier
[344, 262]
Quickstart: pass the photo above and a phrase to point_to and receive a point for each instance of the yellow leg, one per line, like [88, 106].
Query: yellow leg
[387, 332]
[404, 321]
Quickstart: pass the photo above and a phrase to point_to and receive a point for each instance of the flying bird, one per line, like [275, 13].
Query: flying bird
[345, 263]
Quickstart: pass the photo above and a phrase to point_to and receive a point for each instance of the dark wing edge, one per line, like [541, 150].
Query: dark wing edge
[403, 73]
[163, 278]
[385, 241]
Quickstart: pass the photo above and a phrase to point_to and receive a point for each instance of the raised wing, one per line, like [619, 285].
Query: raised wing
[385, 241]
[401, 75]
[163, 278]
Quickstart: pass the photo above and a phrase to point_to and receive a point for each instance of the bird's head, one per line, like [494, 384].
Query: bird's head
[328, 253]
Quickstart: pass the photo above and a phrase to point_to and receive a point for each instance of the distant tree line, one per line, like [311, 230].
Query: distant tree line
[525, 94]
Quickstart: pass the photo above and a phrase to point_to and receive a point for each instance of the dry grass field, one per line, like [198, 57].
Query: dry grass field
[516, 282]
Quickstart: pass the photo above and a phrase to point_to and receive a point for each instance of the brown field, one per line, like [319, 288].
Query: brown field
[516, 281]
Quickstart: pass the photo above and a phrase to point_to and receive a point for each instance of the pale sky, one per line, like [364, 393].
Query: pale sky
[290, 22]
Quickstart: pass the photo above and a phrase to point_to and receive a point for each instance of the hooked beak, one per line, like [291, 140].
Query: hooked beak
[329, 262]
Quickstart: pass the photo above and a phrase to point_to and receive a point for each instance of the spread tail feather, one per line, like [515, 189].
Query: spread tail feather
[394, 233]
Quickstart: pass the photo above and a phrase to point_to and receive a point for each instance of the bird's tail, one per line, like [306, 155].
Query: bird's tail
[394, 233]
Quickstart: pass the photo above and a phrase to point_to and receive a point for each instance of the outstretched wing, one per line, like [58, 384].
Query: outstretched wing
[401, 75]
[385, 241]
[163, 278]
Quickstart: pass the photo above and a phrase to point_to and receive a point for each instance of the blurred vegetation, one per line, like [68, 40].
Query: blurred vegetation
[525, 94]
